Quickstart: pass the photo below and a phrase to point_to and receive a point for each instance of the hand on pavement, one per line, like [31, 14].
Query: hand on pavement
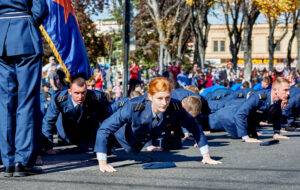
[152, 148]
[104, 167]
[280, 137]
[208, 160]
[252, 140]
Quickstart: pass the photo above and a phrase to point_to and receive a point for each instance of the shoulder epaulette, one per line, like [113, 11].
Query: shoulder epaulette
[240, 95]
[121, 103]
[176, 106]
[262, 96]
[61, 98]
[139, 107]
[218, 97]
[249, 94]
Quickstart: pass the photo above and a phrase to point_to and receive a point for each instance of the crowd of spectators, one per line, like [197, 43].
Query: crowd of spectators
[110, 79]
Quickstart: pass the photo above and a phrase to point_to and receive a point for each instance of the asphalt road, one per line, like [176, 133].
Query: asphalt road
[245, 166]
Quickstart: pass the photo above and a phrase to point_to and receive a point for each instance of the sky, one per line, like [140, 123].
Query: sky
[104, 15]
[219, 19]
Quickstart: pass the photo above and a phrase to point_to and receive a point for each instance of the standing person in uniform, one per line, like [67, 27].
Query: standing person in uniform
[145, 118]
[20, 79]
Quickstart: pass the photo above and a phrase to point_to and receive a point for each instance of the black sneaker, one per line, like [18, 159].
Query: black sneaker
[22, 171]
[8, 171]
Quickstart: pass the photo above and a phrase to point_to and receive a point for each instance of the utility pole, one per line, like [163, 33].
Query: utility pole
[126, 41]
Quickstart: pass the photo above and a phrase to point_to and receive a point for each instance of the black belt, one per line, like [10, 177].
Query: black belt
[13, 15]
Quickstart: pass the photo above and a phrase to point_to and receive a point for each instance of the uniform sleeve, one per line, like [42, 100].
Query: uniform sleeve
[241, 116]
[50, 119]
[196, 129]
[39, 11]
[111, 125]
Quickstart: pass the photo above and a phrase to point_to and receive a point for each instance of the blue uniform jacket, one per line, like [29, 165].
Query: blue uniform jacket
[181, 93]
[20, 36]
[260, 102]
[118, 104]
[223, 97]
[293, 108]
[222, 119]
[206, 91]
[294, 90]
[218, 94]
[236, 86]
[132, 125]
[95, 109]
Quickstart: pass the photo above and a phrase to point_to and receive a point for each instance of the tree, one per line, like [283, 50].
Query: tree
[200, 26]
[165, 17]
[232, 10]
[250, 12]
[295, 27]
[147, 42]
[94, 43]
[275, 11]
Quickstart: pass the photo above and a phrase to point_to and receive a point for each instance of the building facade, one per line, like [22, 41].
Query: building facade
[218, 52]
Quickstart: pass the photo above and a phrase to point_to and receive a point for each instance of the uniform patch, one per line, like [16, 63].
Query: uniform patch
[121, 103]
[262, 96]
[176, 106]
[218, 97]
[61, 98]
[249, 94]
[139, 107]
[240, 95]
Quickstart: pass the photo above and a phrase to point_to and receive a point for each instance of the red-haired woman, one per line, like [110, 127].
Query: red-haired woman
[133, 125]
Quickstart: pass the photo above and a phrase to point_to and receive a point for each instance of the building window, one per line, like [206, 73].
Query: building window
[219, 45]
[222, 45]
[216, 44]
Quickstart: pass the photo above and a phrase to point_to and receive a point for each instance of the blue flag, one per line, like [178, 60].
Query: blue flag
[61, 31]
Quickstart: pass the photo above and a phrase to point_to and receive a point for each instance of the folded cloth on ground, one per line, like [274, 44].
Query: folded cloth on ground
[268, 143]
[158, 165]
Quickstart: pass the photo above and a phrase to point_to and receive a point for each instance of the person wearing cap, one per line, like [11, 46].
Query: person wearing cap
[20, 79]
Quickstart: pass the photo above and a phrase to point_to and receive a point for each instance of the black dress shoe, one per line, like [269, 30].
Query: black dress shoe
[8, 171]
[22, 171]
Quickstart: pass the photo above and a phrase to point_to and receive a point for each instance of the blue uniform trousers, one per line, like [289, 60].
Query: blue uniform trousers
[20, 78]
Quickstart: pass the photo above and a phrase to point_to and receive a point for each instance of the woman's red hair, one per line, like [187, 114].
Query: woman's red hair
[159, 84]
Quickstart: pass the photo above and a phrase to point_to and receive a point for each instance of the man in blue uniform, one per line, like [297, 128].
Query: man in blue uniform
[240, 119]
[270, 103]
[20, 77]
[292, 112]
[78, 113]
[145, 118]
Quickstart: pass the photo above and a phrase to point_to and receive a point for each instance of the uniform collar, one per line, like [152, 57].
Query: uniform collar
[71, 103]
[74, 103]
